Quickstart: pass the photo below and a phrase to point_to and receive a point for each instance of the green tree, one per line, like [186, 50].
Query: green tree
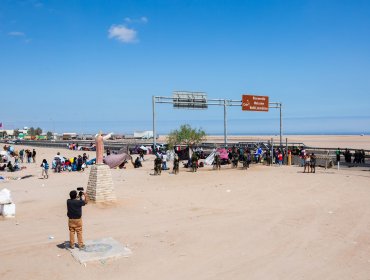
[16, 133]
[38, 131]
[49, 135]
[31, 131]
[186, 136]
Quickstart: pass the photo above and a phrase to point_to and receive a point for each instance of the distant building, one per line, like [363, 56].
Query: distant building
[143, 134]
[7, 133]
[69, 136]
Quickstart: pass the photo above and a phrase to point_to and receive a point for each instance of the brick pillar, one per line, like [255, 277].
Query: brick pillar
[100, 185]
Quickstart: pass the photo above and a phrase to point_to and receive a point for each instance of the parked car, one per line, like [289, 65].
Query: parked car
[16, 141]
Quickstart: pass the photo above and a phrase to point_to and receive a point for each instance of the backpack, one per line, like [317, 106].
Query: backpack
[46, 165]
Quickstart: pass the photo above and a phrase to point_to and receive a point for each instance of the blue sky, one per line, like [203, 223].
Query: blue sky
[91, 65]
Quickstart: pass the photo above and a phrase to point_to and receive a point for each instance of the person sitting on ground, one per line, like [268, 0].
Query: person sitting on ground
[74, 164]
[16, 166]
[67, 165]
[122, 165]
[137, 163]
[10, 167]
[58, 164]
[91, 162]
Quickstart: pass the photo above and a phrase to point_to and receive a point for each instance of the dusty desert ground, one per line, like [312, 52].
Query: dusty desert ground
[263, 223]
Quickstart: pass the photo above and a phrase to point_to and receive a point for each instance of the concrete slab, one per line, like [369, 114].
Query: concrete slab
[100, 250]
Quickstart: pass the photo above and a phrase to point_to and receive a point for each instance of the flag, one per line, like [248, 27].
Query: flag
[1, 124]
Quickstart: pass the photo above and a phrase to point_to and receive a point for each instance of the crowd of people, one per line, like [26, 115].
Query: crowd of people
[76, 147]
[233, 156]
[358, 156]
[77, 163]
[10, 159]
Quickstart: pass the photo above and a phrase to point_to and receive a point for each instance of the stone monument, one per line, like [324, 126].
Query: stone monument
[100, 184]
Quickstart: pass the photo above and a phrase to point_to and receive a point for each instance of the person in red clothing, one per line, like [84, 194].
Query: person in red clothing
[280, 158]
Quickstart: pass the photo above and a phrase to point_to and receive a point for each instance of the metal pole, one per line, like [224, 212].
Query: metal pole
[281, 126]
[154, 128]
[286, 151]
[225, 123]
[272, 150]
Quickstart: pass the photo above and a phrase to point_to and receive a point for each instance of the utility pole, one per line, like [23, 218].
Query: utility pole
[154, 120]
[225, 123]
[281, 126]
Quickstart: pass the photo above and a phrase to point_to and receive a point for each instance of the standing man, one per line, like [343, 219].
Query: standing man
[337, 153]
[74, 207]
[313, 163]
[21, 155]
[157, 165]
[175, 164]
[164, 161]
[141, 153]
[34, 156]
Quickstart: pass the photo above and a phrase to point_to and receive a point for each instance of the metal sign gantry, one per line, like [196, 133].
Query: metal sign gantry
[211, 102]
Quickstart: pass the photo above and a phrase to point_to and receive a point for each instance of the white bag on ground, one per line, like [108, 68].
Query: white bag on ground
[7, 210]
[209, 160]
[5, 196]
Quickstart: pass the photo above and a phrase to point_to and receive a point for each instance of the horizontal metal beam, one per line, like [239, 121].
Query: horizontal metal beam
[210, 102]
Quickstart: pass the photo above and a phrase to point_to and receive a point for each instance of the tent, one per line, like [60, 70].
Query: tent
[223, 156]
[209, 160]
[114, 161]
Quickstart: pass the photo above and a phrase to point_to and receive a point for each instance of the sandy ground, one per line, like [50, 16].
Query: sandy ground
[264, 223]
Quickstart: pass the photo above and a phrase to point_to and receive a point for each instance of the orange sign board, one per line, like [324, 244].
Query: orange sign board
[255, 103]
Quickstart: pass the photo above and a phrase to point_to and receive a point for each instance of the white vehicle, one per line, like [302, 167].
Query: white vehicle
[143, 134]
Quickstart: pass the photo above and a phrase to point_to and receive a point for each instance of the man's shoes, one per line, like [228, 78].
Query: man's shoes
[82, 247]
